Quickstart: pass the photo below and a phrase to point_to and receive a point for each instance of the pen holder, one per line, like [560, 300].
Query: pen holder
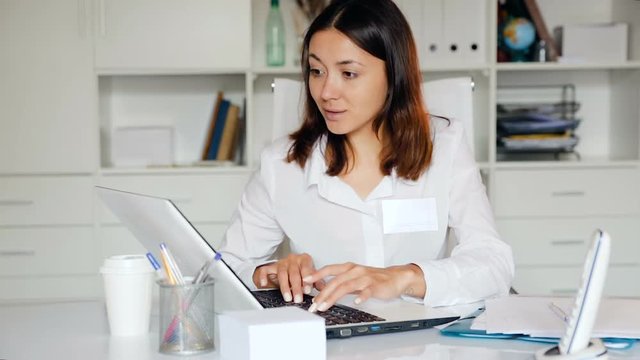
[186, 325]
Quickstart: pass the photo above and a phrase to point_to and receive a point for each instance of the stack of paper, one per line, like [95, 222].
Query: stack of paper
[617, 317]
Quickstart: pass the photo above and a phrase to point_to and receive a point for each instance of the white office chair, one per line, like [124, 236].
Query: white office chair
[453, 99]
[450, 97]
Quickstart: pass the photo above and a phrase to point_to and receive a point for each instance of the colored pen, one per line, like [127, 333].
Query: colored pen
[170, 278]
[172, 263]
[156, 265]
[202, 274]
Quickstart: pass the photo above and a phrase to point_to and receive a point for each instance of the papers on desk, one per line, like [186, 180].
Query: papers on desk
[617, 317]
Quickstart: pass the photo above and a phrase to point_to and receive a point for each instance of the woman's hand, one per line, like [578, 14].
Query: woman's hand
[380, 283]
[287, 274]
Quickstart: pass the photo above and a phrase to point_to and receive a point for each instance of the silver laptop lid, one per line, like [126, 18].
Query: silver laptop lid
[154, 220]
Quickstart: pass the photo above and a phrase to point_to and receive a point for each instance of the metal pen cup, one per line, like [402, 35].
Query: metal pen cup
[186, 325]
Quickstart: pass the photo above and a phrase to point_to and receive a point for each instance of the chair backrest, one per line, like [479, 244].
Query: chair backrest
[450, 97]
[288, 99]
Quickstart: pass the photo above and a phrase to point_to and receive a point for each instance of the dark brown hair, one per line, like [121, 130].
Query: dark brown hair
[379, 28]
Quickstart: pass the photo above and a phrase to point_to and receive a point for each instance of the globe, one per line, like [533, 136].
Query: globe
[519, 34]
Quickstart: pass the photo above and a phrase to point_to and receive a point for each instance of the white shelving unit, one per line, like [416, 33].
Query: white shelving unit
[547, 209]
[156, 63]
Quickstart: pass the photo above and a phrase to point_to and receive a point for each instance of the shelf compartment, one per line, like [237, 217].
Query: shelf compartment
[609, 127]
[184, 103]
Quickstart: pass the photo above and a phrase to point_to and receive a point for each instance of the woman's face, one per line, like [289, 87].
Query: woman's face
[348, 84]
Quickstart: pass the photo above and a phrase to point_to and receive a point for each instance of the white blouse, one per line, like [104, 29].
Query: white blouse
[400, 222]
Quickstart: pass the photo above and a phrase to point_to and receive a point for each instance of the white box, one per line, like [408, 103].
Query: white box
[134, 146]
[286, 333]
[593, 42]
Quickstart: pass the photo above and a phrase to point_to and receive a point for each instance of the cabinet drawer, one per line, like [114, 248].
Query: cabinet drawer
[202, 198]
[621, 281]
[566, 241]
[575, 192]
[19, 288]
[45, 200]
[167, 34]
[47, 251]
[117, 240]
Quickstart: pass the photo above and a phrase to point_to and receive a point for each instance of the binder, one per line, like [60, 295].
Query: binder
[464, 25]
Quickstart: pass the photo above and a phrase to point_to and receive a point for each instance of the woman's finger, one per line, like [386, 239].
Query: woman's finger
[283, 279]
[343, 287]
[364, 295]
[295, 281]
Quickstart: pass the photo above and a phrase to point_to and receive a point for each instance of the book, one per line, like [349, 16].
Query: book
[239, 141]
[226, 150]
[221, 117]
[541, 29]
[212, 122]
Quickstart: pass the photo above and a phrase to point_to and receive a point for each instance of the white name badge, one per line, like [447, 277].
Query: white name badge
[409, 215]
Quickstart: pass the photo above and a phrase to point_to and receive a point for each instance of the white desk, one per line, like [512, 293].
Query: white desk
[79, 330]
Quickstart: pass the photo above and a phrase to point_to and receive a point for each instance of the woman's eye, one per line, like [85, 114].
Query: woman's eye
[349, 74]
[315, 72]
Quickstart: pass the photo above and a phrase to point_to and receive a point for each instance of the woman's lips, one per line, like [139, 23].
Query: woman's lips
[333, 115]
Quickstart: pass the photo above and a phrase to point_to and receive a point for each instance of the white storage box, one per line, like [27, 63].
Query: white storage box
[593, 42]
[142, 146]
[286, 333]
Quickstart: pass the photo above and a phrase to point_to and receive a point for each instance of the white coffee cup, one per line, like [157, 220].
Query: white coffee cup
[128, 281]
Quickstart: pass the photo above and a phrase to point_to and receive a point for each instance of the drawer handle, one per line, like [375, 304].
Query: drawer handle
[564, 291]
[568, 193]
[567, 242]
[16, 202]
[17, 253]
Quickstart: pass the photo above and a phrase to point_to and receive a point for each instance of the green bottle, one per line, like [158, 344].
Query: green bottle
[275, 36]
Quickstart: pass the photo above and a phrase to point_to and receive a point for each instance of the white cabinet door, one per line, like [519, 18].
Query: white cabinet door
[48, 91]
[164, 35]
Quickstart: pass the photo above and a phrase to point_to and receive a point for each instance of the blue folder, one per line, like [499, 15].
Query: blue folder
[462, 328]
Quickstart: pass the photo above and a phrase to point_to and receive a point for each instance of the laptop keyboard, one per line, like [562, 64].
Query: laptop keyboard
[335, 315]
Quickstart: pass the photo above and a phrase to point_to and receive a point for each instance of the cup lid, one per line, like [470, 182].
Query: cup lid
[126, 264]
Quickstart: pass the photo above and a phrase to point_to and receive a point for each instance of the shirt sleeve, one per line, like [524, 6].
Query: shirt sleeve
[480, 265]
[253, 235]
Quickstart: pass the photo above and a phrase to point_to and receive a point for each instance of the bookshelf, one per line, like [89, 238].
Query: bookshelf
[132, 69]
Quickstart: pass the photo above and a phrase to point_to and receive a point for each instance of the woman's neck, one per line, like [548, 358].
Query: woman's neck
[366, 148]
[364, 174]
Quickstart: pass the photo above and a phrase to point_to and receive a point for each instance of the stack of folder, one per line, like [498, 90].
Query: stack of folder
[531, 318]
[537, 128]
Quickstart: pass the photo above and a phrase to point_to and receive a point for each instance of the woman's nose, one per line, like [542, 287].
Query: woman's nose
[330, 89]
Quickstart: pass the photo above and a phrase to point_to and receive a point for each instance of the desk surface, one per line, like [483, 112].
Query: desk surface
[79, 330]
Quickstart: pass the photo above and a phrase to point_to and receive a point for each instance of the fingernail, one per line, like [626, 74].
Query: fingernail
[307, 289]
[357, 301]
[307, 278]
[323, 306]
[263, 282]
[287, 297]
[313, 308]
[297, 299]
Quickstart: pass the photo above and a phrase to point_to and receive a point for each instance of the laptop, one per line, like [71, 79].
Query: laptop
[154, 220]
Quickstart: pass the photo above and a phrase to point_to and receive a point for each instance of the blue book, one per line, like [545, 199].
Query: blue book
[218, 129]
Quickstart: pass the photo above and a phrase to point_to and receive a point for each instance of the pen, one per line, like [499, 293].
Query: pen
[202, 275]
[156, 265]
[170, 278]
[172, 263]
[558, 312]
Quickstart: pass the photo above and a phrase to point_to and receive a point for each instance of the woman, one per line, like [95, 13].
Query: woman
[368, 187]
